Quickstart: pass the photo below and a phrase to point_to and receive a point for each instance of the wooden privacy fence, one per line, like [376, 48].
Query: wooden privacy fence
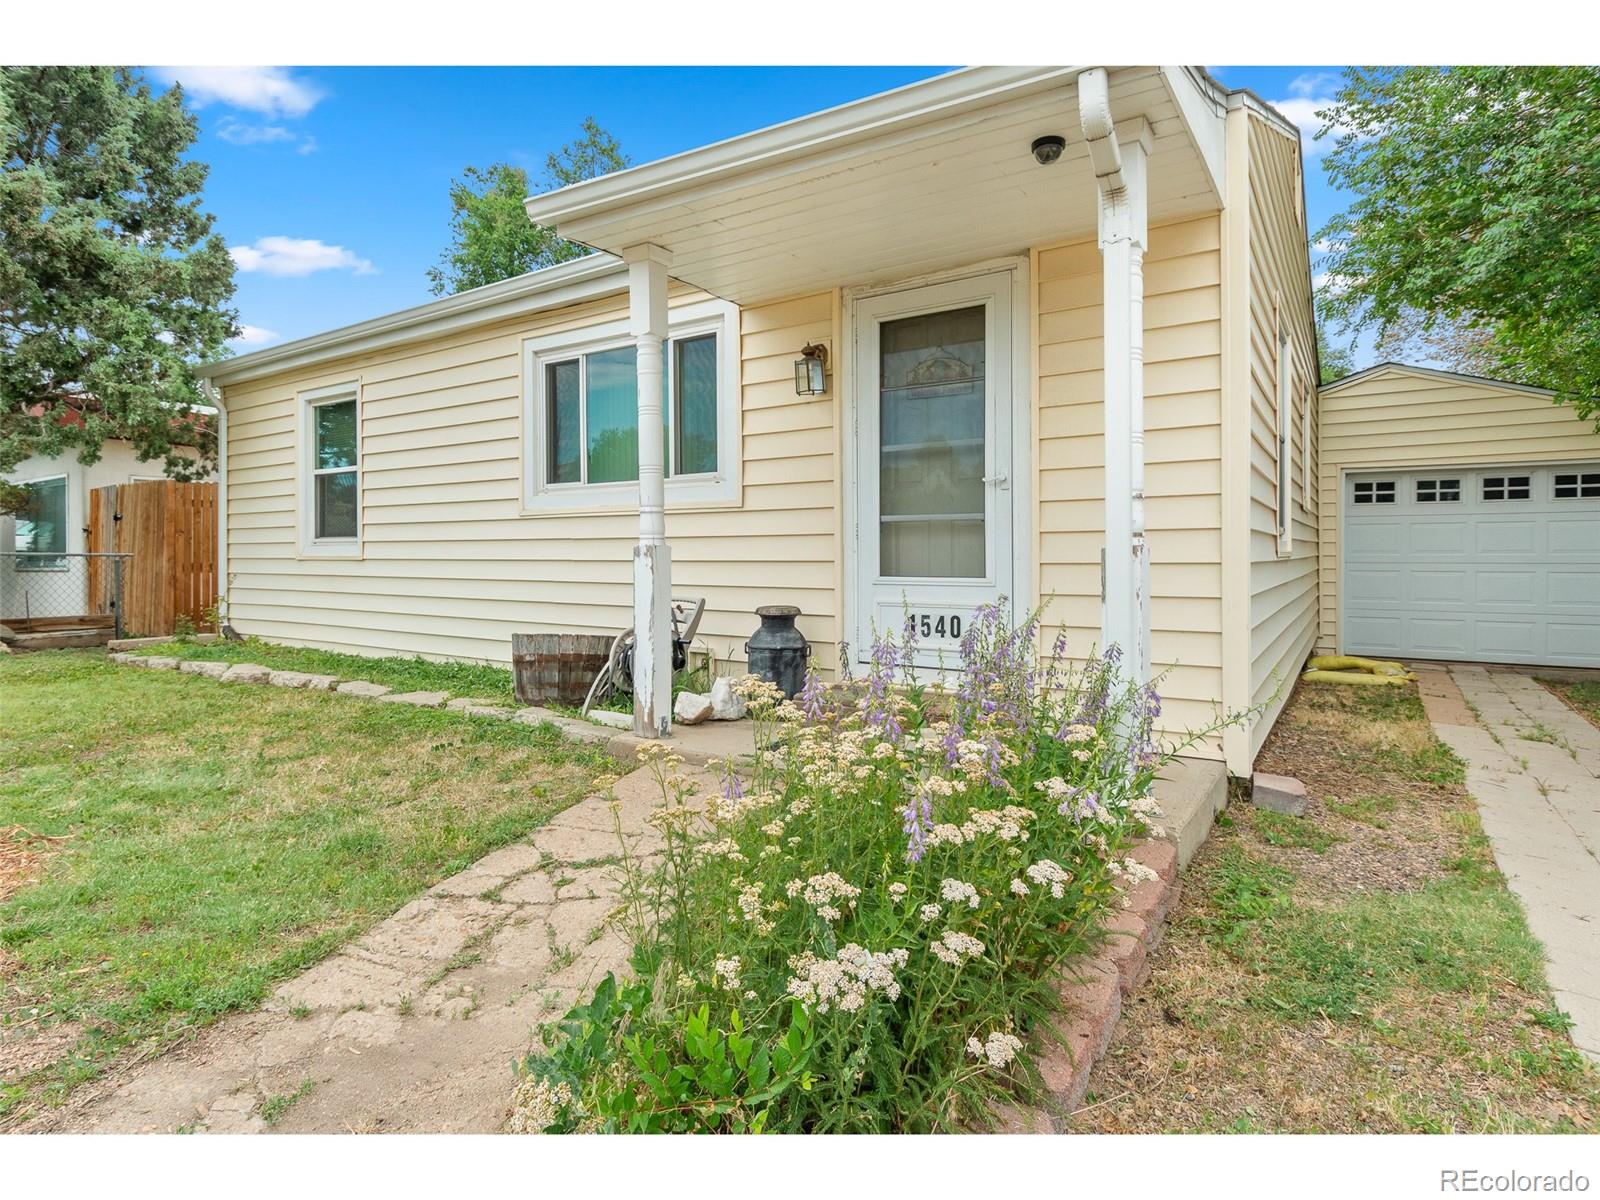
[170, 529]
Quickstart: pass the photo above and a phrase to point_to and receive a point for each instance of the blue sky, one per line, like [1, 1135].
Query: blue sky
[330, 185]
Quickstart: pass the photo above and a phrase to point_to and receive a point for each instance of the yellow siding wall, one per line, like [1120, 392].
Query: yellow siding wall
[1397, 417]
[1283, 588]
[1183, 477]
[450, 568]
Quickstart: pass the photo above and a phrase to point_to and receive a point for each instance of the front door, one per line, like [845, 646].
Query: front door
[933, 390]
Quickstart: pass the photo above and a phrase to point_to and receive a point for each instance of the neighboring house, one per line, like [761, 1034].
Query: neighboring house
[45, 578]
[1460, 520]
[939, 346]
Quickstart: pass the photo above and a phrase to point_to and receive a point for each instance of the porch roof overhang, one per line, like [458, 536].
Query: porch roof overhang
[930, 176]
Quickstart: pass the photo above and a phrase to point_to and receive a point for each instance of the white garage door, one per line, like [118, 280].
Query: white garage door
[1486, 564]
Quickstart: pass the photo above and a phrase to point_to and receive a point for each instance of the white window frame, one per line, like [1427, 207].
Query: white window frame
[1285, 466]
[720, 488]
[1579, 482]
[311, 546]
[66, 527]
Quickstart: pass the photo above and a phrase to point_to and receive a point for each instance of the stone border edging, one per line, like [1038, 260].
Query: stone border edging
[623, 747]
[1092, 994]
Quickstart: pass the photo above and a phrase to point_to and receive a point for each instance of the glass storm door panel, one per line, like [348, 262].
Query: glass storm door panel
[933, 417]
[932, 435]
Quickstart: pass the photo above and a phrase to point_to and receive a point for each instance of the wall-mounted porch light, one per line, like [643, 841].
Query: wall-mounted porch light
[811, 371]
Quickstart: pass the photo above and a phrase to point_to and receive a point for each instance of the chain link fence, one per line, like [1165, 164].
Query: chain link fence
[47, 592]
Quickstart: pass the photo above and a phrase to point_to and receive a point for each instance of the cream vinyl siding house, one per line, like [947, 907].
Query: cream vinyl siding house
[981, 308]
[1448, 564]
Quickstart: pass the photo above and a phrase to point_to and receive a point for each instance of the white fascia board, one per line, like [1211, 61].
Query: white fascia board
[916, 102]
[1431, 373]
[583, 279]
[1205, 111]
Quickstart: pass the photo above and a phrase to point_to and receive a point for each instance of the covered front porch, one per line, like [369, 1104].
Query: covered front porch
[922, 211]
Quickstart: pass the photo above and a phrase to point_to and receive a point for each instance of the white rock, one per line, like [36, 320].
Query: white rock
[725, 706]
[246, 673]
[604, 716]
[360, 687]
[690, 708]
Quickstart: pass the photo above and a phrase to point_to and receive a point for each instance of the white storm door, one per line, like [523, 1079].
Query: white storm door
[933, 391]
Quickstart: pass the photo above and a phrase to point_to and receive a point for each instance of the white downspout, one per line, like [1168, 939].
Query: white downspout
[1119, 159]
[214, 394]
[652, 557]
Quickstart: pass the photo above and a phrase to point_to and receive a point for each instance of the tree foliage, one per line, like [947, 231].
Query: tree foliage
[1476, 218]
[491, 237]
[112, 284]
[1336, 361]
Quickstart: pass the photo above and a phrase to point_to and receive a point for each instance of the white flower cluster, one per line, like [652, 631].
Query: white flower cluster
[1078, 732]
[821, 892]
[956, 891]
[1005, 823]
[1018, 888]
[726, 809]
[930, 913]
[897, 892]
[757, 692]
[727, 972]
[955, 947]
[750, 907]
[973, 757]
[1130, 869]
[1050, 874]
[846, 978]
[1147, 810]
[536, 1104]
[725, 848]
[999, 1049]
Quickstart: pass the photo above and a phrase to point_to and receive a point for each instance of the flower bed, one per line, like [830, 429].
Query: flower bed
[864, 935]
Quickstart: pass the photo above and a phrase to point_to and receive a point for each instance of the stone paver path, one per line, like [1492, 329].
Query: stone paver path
[1533, 766]
[414, 1027]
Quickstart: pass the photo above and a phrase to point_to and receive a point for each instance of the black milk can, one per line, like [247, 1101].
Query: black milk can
[777, 651]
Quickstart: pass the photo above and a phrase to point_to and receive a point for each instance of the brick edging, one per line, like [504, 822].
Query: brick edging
[1092, 992]
[623, 747]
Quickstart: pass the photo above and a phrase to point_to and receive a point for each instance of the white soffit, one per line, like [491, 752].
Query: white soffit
[931, 176]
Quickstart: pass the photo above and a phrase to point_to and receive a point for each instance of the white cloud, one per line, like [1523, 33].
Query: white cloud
[254, 335]
[270, 91]
[1307, 94]
[240, 134]
[287, 256]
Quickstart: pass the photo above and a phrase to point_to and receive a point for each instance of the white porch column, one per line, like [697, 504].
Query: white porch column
[652, 559]
[1119, 157]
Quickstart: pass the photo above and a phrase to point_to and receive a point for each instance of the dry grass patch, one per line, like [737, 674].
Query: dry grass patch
[1361, 970]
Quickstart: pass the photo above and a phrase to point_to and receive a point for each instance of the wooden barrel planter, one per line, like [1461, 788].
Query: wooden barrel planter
[557, 667]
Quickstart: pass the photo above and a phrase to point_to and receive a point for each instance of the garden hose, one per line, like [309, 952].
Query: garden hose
[1344, 668]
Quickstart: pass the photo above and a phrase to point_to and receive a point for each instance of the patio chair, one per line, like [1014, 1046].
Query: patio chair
[617, 674]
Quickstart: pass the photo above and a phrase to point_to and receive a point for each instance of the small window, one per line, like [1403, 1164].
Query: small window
[41, 529]
[1574, 485]
[1507, 487]
[330, 501]
[1374, 491]
[1438, 491]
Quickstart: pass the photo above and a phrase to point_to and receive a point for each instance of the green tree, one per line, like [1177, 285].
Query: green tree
[1477, 210]
[491, 237]
[112, 284]
[1336, 361]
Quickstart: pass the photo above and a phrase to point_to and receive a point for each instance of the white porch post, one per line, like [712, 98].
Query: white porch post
[1119, 158]
[652, 558]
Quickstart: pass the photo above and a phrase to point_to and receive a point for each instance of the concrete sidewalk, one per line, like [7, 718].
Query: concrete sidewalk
[1533, 766]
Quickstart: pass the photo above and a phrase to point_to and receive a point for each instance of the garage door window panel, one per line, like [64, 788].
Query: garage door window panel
[1374, 491]
[1497, 488]
[1438, 491]
[1583, 485]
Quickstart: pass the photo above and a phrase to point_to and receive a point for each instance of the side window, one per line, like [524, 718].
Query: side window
[1577, 485]
[330, 496]
[1507, 487]
[1373, 491]
[41, 528]
[1438, 491]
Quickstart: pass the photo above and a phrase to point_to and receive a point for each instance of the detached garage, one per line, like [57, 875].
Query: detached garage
[1460, 519]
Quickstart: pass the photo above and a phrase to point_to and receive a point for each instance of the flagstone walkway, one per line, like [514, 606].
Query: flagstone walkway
[1533, 766]
[415, 1026]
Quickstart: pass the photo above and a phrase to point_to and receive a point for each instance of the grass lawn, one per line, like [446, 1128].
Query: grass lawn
[1584, 697]
[171, 846]
[1361, 969]
[401, 674]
